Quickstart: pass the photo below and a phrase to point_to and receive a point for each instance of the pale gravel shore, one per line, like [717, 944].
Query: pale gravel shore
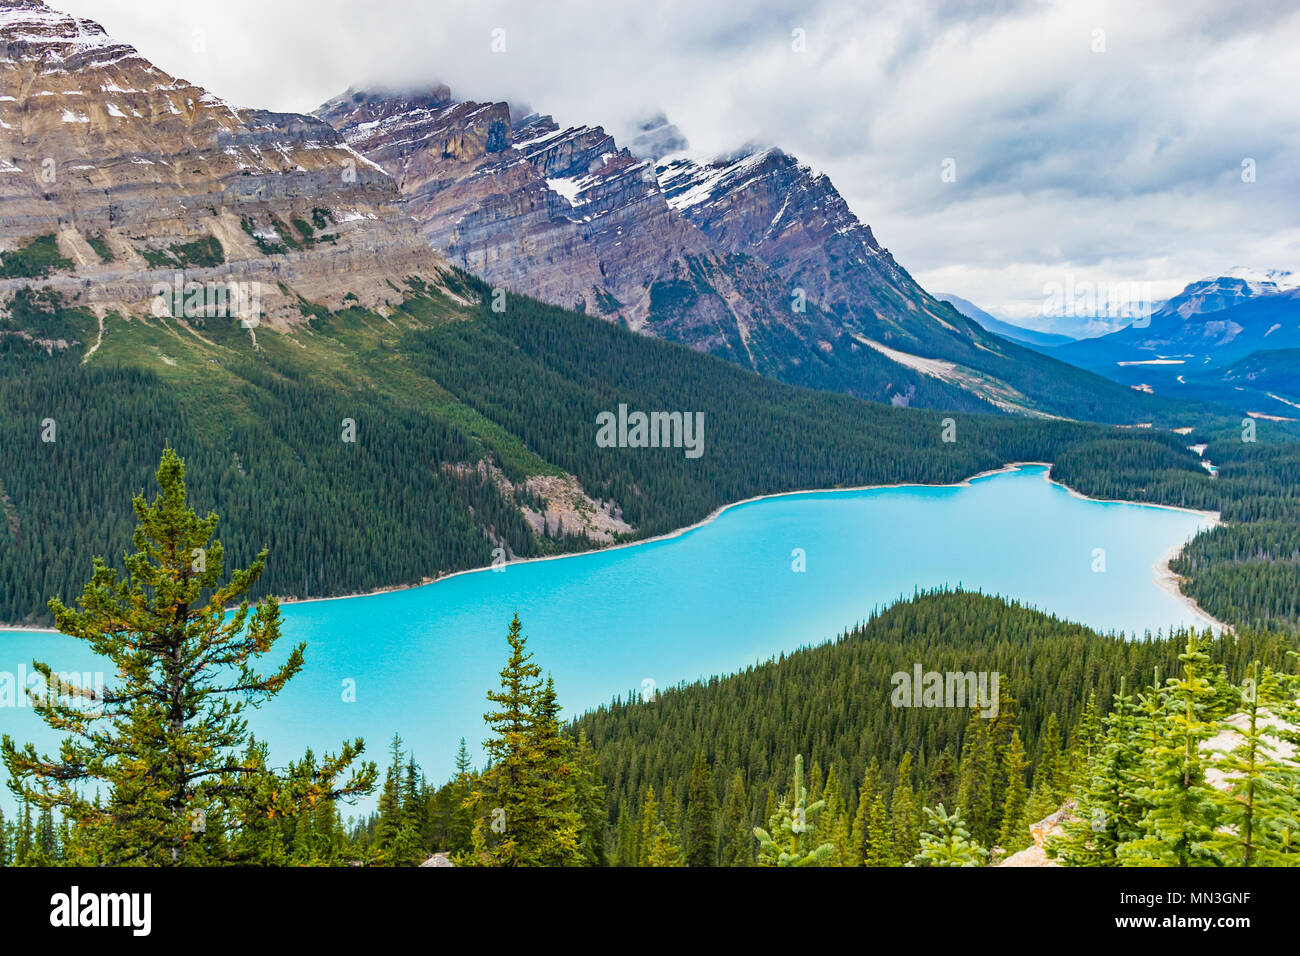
[1168, 581]
[1162, 576]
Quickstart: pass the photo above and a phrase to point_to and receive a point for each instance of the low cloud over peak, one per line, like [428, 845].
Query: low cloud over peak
[993, 150]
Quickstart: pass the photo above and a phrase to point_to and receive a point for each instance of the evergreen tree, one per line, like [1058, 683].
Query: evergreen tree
[671, 809]
[557, 776]
[414, 808]
[880, 845]
[1014, 765]
[1049, 779]
[1178, 826]
[737, 832]
[589, 797]
[860, 834]
[975, 796]
[23, 837]
[945, 841]
[44, 851]
[837, 822]
[904, 814]
[1050, 775]
[390, 800]
[524, 801]
[790, 839]
[1108, 809]
[627, 839]
[944, 779]
[1256, 805]
[657, 845]
[165, 740]
[397, 834]
[461, 819]
[1285, 776]
[701, 816]
[1088, 733]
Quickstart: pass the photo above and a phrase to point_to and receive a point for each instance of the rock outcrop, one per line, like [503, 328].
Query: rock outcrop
[753, 257]
[1228, 738]
[756, 259]
[138, 174]
[1050, 826]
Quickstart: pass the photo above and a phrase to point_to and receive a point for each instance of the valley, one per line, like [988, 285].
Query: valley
[421, 369]
[758, 579]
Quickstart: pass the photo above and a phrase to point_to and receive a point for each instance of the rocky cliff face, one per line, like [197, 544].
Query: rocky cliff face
[752, 257]
[564, 215]
[137, 174]
[764, 204]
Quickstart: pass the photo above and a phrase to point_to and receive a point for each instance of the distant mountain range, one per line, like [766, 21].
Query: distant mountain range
[751, 256]
[1227, 338]
[1016, 333]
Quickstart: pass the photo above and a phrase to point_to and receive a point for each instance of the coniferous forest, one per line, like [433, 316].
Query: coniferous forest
[432, 391]
[505, 436]
[801, 761]
[811, 759]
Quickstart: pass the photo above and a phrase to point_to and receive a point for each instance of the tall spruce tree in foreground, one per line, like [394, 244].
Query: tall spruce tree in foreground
[167, 743]
[1108, 808]
[1254, 803]
[1182, 814]
[525, 804]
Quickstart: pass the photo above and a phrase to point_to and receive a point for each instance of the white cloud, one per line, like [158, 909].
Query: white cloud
[1109, 166]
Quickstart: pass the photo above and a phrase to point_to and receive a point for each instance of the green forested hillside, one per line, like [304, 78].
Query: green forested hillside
[1248, 569]
[437, 384]
[1049, 711]
[832, 704]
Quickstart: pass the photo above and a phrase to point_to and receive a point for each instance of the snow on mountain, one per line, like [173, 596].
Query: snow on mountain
[135, 173]
[752, 256]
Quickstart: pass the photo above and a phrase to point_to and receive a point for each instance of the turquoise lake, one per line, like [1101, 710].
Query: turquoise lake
[709, 601]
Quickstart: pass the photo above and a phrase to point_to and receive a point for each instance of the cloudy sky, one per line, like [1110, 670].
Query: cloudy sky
[1090, 141]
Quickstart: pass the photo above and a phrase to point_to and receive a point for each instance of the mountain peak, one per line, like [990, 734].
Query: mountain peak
[1216, 293]
[1263, 280]
[374, 103]
[656, 138]
[41, 27]
[135, 174]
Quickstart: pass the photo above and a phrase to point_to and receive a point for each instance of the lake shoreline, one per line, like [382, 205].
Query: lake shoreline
[1163, 577]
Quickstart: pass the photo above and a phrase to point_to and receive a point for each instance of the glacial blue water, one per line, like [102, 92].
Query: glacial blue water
[709, 601]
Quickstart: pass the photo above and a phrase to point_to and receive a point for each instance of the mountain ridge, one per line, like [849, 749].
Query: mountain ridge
[150, 175]
[753, 257]
[1008, 330]
[1187, 344]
